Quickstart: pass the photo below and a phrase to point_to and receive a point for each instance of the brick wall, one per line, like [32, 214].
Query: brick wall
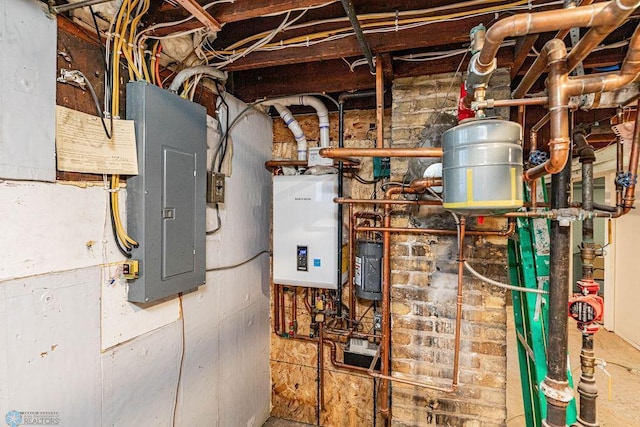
[424, 274]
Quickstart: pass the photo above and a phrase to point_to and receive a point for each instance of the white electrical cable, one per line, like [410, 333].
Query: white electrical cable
[393, 28]
[484, 278]
[500, 284]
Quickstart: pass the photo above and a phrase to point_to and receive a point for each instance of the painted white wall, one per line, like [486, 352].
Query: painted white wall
[627, 271]
[70, 343]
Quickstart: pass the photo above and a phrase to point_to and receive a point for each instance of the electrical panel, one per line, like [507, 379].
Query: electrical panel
[28, 87]
[305, 230]
[166, 200]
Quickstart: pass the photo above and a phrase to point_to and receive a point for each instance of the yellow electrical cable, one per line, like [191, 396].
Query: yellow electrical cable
[124, 233]
[115, 212]
[323, 34]
[132, 30]
[115, 95]
[126, 240]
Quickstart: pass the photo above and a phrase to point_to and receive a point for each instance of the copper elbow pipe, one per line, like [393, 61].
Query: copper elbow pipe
[613, 15]
[553, 49]
[559, 145]
[422, 184]
[539, 22]
[332, 152]
[596, 83]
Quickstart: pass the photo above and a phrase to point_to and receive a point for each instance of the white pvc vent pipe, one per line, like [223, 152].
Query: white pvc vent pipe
[295, 128]
[321, 110]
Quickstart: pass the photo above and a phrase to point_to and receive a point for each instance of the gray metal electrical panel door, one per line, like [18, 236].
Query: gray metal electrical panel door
[166, 201]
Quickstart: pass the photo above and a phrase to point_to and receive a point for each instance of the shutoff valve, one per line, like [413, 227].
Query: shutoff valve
[587, 308]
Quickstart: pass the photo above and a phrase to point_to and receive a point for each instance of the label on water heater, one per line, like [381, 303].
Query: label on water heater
[358, 272]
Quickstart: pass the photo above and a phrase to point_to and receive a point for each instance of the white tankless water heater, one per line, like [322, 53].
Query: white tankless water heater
[305, 230]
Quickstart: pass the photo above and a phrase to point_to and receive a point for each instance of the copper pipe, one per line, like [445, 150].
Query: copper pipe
[385, 344]
[379, 102]
[614, 15]
[334, 359]
[482, 66]
[306, 302]
[559, 143]
[533, 146]
[496, 103]
[422, 184]
[537, 68]
[333, 152]
[543, 121]
[276, 308]
[294, 310]
[563, 33]
[522, 114]
[282, 316]
[604, 82]
[458, 332]
[456, 351]
[539, 22]
[629, 193]
[349, 333]
[609, 18]
[440, 232]
[349, 201]
[619, 160]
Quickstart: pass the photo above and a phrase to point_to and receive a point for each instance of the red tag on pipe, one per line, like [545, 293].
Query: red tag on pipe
[480, 220]
[463, 112]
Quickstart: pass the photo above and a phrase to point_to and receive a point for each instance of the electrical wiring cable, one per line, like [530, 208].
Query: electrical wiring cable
[372, 16]
[219, 226]
[108, 132]
[122, 250]
[363, 180]
[181, 366]
[229, 267]
[115, 212]
[127, 241]
[325, 36]
[396, 25]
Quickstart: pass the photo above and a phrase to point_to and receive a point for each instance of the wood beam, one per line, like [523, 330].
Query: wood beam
[198, 12]
[419, 37]
[523, 46]
[225, 13]
[445, 65]
[325, 76]
[387, 67]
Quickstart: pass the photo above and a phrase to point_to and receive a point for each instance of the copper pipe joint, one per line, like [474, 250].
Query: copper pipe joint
[381, 152]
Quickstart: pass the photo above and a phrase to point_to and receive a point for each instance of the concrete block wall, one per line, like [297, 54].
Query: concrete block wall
[424, 282]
